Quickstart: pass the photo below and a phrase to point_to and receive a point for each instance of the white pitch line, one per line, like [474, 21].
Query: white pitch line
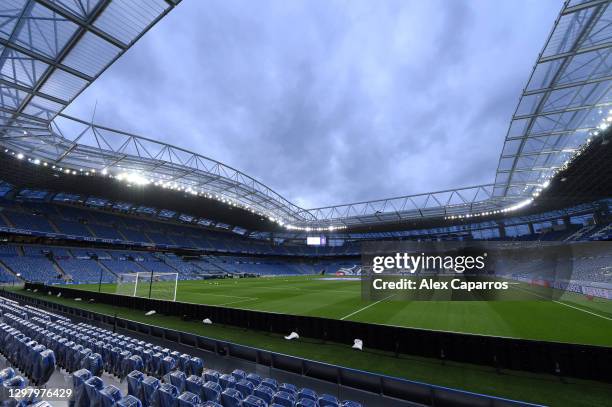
[567, 305]
[364, 308]
[234, 302]
[231, 296]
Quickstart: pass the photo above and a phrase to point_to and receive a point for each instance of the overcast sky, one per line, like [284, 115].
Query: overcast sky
[330, 102]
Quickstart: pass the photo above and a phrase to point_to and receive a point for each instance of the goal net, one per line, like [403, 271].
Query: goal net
[159, 286]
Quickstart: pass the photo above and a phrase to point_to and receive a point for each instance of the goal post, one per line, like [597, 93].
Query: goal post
[154, 285]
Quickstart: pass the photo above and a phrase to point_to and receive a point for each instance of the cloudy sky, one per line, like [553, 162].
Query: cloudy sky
[331, 102]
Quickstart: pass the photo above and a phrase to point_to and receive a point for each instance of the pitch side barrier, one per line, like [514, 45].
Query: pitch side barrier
[557, 358]
[414, 392]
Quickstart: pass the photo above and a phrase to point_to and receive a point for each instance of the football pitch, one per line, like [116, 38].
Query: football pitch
[570, 318]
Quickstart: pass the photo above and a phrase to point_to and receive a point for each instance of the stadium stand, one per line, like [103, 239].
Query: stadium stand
[85, 271]
[110, 369]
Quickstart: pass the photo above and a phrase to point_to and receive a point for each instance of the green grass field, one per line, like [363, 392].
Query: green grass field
[571, 319]
[305, 295]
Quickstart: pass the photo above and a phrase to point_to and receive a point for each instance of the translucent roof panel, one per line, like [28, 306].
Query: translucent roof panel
[566, 98]
[53, 49]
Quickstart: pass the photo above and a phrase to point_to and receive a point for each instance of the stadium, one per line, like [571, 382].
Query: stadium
[137, 273]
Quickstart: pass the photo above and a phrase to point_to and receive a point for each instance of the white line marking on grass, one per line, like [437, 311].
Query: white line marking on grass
[234, 302]
[229, 296]
[289, 288]
[364, 308]
[565, 304]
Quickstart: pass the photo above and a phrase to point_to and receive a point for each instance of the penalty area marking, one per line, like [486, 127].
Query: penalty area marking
[567, 305]
[364, 308]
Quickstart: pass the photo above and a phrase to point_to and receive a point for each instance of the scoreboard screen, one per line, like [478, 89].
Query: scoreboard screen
[315, 240]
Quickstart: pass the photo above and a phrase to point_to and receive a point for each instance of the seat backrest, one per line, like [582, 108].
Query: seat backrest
[239, 374]
[245, 387]
[227, 381]
[149, 385]
[188, 399]
[195, 366]
[166, 395]
[134, 380]
[194, 384]
[109, 396]
[93, 385]
[253, 401]
[212, 391]
[129, 401]
[231, 398]
[327, 400]
[211, 375]
[178, 378]
[271, 383]
[306, 393]
[264, 392]
[44, 368]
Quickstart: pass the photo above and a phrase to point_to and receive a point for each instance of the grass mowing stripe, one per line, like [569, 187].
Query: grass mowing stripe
[565, 304]
[531, 318]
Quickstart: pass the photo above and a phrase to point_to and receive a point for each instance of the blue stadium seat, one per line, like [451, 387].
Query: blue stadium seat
[134, 362]
[168, 364]
[227, 381]
[211, 375]
[156, 360]
[150, 385]
[6, 374]
[43, 367]
[129, 401]
[289, 388]
[177, 379]
[264, 392]
[245, 387]
[195, 366]
[253, 401]
[134, 380]
[238, 374]
[109, 396]
[194, 384]
[188, 399]
[327, 400]
[231, 398]
[147, 356]
[93, 385]
[165, 396]
[78, 388]
[210, 404]
[94, 363]
[271, 383]
[183, 362]
[212, 391]
[306, 403]
[284, 399]
[306, 393]
[350, 403]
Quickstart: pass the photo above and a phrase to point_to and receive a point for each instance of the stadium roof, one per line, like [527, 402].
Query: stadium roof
[52, 49]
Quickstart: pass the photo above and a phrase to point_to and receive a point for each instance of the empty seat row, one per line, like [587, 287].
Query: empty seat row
[156, 376]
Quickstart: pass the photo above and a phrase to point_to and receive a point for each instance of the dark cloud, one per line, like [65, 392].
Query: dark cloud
[332, 102]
